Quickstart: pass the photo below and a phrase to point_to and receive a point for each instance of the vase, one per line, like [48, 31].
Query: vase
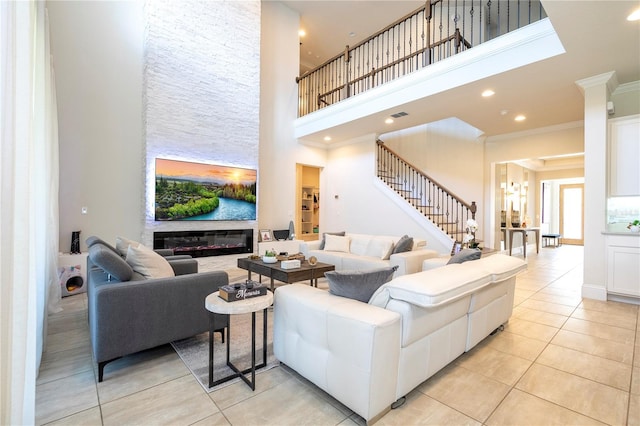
[634, 228]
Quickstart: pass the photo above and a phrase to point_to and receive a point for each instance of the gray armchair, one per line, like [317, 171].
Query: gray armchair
[128, 314]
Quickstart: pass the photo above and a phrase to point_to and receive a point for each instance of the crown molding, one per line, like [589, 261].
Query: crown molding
[538, 131]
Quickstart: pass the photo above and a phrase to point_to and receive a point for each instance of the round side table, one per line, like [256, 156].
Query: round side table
[217, 305]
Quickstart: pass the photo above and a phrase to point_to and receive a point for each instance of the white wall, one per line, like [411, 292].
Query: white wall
[354, 201]
[279, 150]
[202, 93]
[626, 99]
[450, 151]
[97, 54]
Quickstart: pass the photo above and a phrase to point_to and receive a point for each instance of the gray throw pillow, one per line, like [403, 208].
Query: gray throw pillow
[110, 262]
[96, 240]
[465, 255]
[341, 234]
[404, 244]
[358, 285]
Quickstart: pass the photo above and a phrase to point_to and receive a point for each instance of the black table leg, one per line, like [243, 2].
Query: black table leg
[240, 373]
[211, 349]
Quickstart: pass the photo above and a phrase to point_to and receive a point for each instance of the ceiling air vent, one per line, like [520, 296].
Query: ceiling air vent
[399, 114]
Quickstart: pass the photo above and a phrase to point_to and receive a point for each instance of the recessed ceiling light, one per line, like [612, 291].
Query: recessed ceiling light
[520, 117]
[352, 34]
[327, 138]
[488, 93]
[389, 120]
[302, 33]
[635, 15]
[504, 112]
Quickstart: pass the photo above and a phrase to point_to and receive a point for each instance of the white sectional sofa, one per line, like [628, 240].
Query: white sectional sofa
[365, 252]
[369, 355]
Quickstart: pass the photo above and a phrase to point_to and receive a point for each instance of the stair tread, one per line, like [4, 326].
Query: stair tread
[433, 213]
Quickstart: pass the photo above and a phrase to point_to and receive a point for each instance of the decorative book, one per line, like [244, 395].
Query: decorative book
[241, 291]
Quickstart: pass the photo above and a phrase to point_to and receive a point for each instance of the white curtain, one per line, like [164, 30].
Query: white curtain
[28, 204]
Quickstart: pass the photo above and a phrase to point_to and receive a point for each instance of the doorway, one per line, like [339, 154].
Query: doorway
[572, 213]
[307, 202]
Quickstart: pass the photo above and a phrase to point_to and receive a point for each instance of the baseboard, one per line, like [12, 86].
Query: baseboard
[594, 292]
[625, 299]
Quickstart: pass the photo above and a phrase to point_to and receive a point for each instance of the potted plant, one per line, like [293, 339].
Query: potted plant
[269, 256]
[634, 226]
[470, 237]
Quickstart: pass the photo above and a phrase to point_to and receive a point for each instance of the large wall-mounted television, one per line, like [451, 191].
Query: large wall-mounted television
[199, 191]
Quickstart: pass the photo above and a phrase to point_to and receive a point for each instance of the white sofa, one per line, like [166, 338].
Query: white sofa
[370, 252]
[369, 355]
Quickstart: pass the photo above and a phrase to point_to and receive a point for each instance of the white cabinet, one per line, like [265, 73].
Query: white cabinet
[623, 265]
[624, 156]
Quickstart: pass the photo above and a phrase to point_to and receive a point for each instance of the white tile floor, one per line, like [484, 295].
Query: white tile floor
[560, 360]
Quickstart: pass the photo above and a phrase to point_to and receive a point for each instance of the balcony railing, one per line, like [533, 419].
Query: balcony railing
[436, 31]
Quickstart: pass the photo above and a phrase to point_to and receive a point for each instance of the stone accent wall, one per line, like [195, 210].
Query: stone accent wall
[201, 92]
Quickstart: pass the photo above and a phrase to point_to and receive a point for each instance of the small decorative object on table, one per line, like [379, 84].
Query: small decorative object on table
[270, 256]
[241, 291]
[75, 242]
[290, 264]
[313, 260]
[296, 256]
[470, 238]
[265, 235]
[634, 226]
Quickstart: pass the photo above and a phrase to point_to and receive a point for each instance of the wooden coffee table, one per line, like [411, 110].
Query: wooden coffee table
[275, 272]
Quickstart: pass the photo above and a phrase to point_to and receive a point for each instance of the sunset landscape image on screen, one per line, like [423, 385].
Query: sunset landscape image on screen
[199, 191]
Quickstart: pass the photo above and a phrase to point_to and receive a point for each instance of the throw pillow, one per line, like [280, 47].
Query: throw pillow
[342, 233]
[148, 263]
[404, 244]
[337, 243]
[380, 248]
[465, 255]
[358, 285]
[110, 262]
[122, 245]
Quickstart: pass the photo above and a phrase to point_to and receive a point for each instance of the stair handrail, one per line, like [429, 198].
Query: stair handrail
[471, 207]
[434, 201]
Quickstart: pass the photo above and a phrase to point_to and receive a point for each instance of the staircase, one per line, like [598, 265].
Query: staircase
[448, 212]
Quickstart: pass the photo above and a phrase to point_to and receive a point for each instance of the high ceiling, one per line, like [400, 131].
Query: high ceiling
[595, 34]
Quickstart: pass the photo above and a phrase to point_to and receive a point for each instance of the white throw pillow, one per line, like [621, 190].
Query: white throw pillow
[148, 263]
[380, 248]
[336, 243]
[358, 244]
[122, 245]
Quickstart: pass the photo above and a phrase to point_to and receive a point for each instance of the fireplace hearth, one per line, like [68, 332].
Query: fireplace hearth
[205, 243]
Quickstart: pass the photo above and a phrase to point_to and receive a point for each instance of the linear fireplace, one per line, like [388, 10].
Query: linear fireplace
[205, 243]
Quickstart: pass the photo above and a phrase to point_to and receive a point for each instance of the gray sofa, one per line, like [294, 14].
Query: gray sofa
[128, 316]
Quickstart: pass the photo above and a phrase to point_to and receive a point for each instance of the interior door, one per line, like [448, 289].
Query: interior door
[572, 213]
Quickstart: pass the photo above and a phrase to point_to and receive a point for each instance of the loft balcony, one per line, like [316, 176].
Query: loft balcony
[431, 33]
[442, 45]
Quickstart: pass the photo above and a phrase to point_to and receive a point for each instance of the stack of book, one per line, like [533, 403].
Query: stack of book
[241, 291]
